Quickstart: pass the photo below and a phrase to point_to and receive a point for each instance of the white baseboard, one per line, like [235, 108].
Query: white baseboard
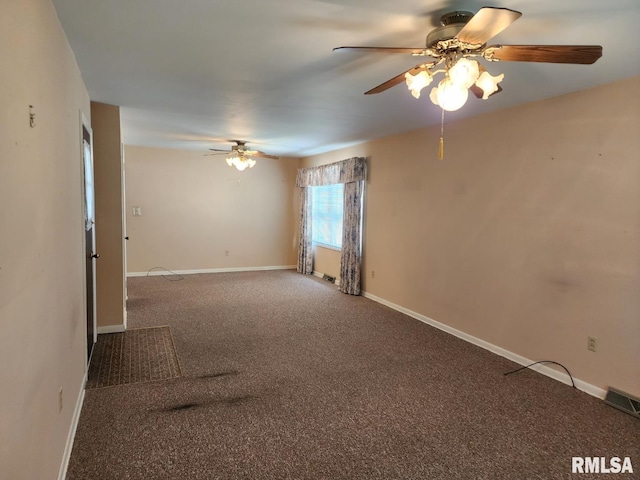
[209, 270]
[62, 473]
[111, 329]
[543, 369]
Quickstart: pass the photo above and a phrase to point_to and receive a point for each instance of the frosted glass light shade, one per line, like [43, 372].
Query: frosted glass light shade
[488, 84]
[465, 72]
[449, 96]
[417, 82]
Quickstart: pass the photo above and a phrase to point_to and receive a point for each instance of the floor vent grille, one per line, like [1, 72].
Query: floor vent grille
[329, 278]
[623, 401]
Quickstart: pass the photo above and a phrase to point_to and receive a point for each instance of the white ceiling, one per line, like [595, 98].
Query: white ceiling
[194, 73]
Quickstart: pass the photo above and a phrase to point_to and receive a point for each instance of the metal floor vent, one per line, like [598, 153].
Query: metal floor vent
[623, 401]
[329, 278]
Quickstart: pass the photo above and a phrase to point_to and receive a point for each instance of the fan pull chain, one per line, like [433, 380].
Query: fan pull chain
[441, 148]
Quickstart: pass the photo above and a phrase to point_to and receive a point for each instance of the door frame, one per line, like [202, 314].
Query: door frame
[88, 250]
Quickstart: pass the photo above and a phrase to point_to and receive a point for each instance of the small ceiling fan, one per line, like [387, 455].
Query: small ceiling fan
[462, 37]
[240, 156]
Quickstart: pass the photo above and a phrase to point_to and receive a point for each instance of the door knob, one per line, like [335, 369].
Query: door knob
[95, 255]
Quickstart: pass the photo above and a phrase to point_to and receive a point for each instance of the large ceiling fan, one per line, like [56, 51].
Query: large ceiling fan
[240, 156]
[453, 46]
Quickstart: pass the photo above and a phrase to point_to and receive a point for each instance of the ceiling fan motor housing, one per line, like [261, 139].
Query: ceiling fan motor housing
[452, 23]
[455, 17]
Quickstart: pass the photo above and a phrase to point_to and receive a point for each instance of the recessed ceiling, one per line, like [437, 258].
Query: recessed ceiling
[195, 74]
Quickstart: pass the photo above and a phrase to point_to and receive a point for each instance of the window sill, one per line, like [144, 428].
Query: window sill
[328, 247]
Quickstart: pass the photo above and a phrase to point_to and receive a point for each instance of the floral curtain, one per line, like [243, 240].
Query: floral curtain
[351, 255]
[305, 249]
[352, 173]
[351, 170]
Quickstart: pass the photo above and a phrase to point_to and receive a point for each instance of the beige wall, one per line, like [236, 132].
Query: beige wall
[326, 261]
[195, 208]
[527, 236]
[42, 304]
[109, 188]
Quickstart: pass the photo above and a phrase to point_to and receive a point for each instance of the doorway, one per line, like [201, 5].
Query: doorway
[90, 237]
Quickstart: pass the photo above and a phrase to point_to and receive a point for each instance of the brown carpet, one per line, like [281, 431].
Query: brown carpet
[137, 355]
[287, 378]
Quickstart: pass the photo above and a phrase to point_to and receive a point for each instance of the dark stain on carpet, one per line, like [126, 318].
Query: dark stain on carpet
[217, 375]
[229, 401]
[238, 400]
[177, 408]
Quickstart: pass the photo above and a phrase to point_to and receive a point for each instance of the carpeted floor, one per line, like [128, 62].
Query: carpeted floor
[137, 355]
[284, 377]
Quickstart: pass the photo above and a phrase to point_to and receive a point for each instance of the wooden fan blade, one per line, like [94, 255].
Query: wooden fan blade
[412, 51]
[487, 23]
[218, 150]
[395, 80]
[264, 155]
[581, 54]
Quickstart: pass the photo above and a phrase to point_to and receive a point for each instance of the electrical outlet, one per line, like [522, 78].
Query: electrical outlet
[226, 253]
[60, 400]
[592, 344]
[373, 274]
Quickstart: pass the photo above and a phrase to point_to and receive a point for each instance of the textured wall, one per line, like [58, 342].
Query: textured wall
[42, 304]
[526, 236]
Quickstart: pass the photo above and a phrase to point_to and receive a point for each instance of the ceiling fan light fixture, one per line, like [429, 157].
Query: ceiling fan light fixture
[417, 82]
[241, 163]
[465, 72]
[448, 95]
[488, 83]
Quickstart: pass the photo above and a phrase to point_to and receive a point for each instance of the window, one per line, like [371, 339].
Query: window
[326, 214]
